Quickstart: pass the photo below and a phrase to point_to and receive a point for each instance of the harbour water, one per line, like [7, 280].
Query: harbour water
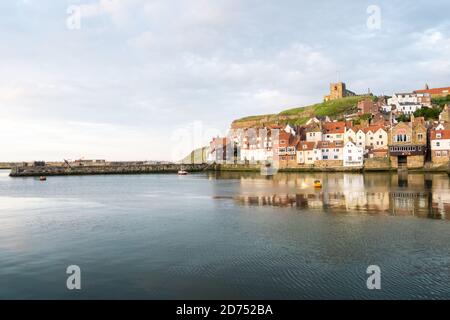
[226, 236]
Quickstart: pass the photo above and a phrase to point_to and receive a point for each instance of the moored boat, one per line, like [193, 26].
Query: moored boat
[182, 172]
[42, 178]
[317, 184]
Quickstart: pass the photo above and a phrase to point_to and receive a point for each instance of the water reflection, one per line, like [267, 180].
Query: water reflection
[409, 194]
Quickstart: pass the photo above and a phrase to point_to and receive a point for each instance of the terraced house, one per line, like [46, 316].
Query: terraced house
[440, 144]
[333, 131]
[408, 143]
[329, 150]
[287, 149]
[305, 153]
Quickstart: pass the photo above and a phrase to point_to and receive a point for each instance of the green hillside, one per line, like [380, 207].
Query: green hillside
[441, 101]
[197, 156]
[333, 109]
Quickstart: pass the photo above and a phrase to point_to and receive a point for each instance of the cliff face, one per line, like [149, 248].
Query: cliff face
[334, 109]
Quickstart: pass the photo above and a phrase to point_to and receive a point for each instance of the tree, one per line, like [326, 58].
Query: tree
[403, 118]
[428, 113]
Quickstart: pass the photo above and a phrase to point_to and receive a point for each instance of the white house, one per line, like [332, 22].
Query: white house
[376, 137]
[356, 135]
[305, 152]
[328, 150]
[290, 129]
[333, 131]
[313, 131]
[353, 155]
[256, 145]
[408, 103]
[440, 145]
[350, 134]
[386, 108]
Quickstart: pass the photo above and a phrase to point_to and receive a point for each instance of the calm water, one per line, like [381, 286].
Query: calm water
[225, 236]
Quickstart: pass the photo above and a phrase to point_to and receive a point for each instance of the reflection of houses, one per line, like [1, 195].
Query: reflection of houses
[407, 145]
[345, 192]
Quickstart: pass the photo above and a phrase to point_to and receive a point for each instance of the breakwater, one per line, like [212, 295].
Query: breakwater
[36, 171]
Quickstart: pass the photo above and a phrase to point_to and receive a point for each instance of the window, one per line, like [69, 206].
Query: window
[438, 135]
[438, 144]
[420, 136]
[438, 153]
[335, 156]
[349, 151]
[325, 157]
[444, 153]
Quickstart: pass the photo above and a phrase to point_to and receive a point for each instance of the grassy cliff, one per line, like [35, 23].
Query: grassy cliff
[334, 109]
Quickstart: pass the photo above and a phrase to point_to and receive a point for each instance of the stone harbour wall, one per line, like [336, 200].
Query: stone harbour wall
[36, 171]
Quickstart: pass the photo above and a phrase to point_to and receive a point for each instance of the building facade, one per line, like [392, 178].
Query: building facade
[337, 91]
[407, 144]
[305, 153]
[353, 155]
[440, 146]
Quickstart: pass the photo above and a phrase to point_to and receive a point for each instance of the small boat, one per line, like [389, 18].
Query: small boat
[182, 173]
[42, 178]
[317, 184]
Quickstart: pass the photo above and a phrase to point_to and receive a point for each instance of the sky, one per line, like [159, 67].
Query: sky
[151, 79]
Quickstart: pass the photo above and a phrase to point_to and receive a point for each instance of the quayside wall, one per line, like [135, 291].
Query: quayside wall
[36, 171]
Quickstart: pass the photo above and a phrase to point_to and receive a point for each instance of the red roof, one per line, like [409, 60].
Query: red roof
[287, 139]
[373, 128]
[307, 145]
[445, 90]
[334, 127]
[445, 134]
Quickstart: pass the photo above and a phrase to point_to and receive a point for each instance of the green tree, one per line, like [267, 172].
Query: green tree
[428, 113]
[403, 118]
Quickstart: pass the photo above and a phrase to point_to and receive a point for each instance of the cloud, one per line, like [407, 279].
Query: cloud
[137, 70]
